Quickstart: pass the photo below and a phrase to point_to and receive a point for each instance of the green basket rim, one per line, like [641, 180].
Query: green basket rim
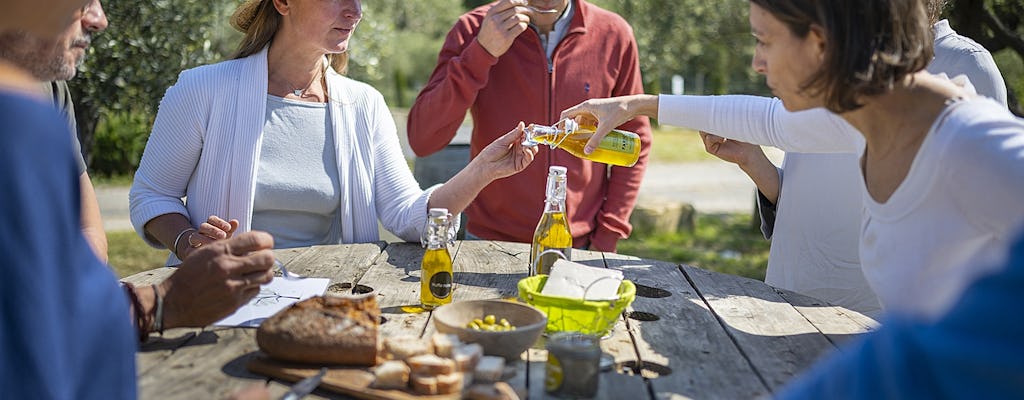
[627, 292]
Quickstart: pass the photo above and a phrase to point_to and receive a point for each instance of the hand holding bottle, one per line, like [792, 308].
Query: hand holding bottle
[610, 113]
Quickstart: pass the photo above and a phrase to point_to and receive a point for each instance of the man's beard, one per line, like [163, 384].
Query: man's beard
[41, 58]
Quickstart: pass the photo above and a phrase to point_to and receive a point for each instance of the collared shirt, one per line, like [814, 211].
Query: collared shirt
[551, 39]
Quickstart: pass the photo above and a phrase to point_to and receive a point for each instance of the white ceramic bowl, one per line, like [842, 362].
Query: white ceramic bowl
[529, 323]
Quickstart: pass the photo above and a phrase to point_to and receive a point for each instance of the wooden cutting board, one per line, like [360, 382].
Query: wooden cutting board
[352, 381]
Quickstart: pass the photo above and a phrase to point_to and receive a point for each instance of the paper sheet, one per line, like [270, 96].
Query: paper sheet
[274, 297]
[571, 280]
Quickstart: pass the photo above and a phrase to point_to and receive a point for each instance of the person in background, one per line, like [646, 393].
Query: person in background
[70, 331]
[515, 60]
[940, 168]
[277, 139]
[52, 62]
[811, 206]
[974, 351]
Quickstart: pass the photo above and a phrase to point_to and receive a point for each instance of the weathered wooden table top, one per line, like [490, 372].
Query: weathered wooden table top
[690, 333]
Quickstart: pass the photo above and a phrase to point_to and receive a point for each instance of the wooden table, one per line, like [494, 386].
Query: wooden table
[690, 333]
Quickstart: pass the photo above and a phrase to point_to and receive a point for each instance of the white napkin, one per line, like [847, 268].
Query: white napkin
[569, 279]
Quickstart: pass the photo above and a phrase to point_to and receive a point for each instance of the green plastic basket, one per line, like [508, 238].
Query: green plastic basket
[575, 315]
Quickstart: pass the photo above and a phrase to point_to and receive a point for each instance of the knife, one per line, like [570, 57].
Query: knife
[305, 386]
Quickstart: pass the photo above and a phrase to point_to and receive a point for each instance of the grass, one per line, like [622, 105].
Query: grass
[130, 255]
[724, 243]
[677, 145]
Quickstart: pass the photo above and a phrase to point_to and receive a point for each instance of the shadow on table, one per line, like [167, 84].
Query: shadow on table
[178, 338]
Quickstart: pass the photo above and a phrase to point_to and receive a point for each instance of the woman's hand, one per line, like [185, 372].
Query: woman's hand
[736, 152]
[215, 228]
[609, 113]
[506, 156]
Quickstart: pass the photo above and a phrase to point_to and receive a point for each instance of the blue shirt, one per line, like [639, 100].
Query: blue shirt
[65, 328]
[976, 351]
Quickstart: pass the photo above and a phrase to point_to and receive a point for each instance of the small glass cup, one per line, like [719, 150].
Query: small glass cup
[574, 365]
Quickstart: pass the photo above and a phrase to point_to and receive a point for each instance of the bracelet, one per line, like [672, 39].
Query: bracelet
[178, 240]
[158, 317]
[139, 322]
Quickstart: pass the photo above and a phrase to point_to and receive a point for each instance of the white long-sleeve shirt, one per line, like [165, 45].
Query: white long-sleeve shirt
[948, 221]
[206, 141]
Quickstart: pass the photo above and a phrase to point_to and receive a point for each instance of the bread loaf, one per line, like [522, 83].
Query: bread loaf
[324, 330]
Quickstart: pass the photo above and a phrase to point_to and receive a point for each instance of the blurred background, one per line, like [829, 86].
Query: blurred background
[702, 46]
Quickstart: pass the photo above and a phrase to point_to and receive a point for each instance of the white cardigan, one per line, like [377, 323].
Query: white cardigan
[205, 146]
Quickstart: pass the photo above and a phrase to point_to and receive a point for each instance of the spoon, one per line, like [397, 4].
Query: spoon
[542, 10]
[284, 271]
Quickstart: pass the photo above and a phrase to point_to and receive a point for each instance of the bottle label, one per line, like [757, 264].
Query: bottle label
[617, 144]
[441, 284]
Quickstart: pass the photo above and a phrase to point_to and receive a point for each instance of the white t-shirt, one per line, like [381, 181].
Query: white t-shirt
[948, 222]
[819, 209]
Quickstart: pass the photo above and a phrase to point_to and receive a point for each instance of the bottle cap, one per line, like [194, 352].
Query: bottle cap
[557, 170]
[437, 212]
[570, 125]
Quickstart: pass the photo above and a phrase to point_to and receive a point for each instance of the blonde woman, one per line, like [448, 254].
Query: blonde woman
[278, 140]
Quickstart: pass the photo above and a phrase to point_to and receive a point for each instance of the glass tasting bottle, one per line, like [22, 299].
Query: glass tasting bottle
[620, 147]
[436, 270]
[553, 229]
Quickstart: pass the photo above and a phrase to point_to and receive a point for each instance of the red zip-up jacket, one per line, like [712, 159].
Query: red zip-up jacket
[597, 58]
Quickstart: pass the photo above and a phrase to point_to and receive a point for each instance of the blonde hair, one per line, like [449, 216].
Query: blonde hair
[259, 21]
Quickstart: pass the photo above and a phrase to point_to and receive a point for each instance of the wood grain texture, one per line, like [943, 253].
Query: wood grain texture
[210, 364]
[838, 324]
[778, 341]
[701, 359]
[715, 335]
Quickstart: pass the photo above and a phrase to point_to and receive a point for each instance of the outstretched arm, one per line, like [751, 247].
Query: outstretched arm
[504, 157]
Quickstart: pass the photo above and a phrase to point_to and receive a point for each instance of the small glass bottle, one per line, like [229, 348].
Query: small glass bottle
[553, 228]
[620, 147]
[436, 269]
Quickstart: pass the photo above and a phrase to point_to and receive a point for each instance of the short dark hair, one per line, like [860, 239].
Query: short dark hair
[872, 44]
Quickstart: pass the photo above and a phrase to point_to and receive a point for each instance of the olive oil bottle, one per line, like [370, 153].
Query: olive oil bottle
[620, 147]
[553, 229]
[436, 280]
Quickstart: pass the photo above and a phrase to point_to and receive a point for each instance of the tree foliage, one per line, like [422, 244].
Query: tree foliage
[129, 67]
[998, 25]
[707, 42]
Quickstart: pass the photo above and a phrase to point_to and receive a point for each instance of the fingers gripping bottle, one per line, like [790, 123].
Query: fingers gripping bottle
[436, 280]
[620, 147]
[553, 229]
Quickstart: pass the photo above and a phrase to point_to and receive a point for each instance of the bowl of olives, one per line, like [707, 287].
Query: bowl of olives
[502, 328]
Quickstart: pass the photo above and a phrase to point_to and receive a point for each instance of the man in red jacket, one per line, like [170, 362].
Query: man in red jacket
[510, 61]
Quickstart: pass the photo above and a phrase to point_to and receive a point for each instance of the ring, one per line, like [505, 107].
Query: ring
[193, 245]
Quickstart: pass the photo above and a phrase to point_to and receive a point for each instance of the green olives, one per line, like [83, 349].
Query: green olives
[490, 323]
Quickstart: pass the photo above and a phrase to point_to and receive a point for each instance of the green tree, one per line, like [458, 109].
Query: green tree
[999, 26]
[395, 47]
[708, 43]
[129, 67]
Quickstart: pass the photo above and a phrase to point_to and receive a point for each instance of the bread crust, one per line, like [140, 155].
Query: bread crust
[324, 330]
